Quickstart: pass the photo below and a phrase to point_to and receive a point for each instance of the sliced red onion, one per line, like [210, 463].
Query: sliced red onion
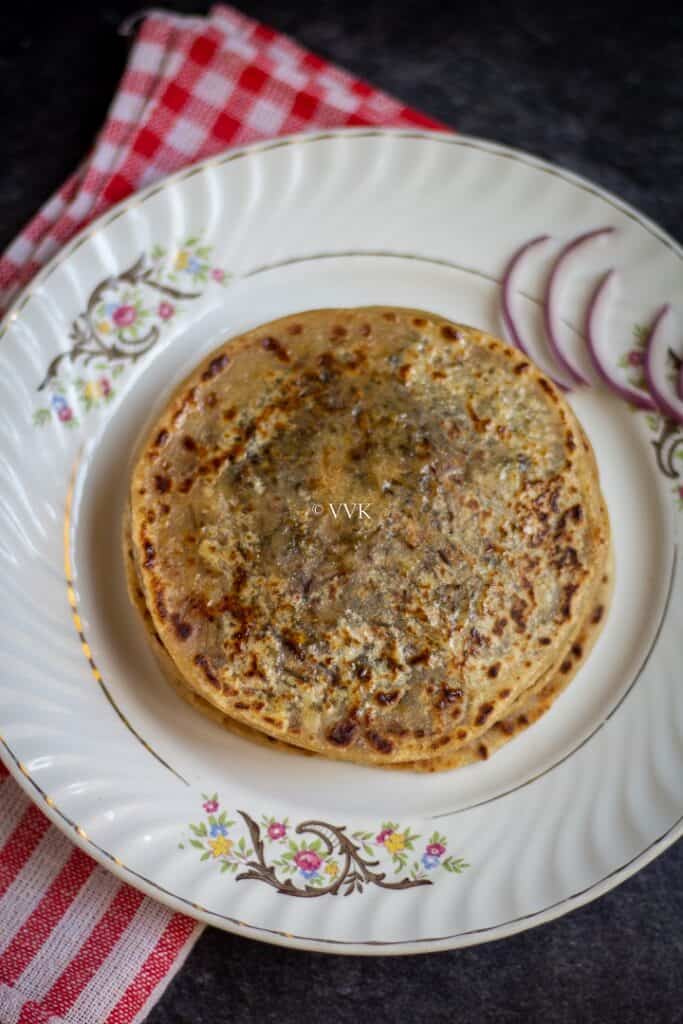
[552, 302]
[595, 315]
[509, 287]
[656, 353]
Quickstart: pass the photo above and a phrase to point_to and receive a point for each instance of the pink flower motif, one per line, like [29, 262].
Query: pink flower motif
[680, 492]
[210, 806]
[307, 860]
[217, 274]
[276, 830]
[104, 386]
[435, 849]
[382, 836]
[635, 357]
[65, 414]
[166, 310]
[124, 316]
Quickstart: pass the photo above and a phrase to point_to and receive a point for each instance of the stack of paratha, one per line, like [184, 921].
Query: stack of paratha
[372, 534]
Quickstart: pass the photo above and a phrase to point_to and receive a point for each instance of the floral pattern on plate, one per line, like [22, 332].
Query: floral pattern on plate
[315, 858]
[124, 318]
[668, 445]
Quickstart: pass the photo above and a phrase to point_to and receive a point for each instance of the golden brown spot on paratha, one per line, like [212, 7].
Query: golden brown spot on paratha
[568, 592]
[505, 727]
[517, 610]
[573, 514]
[484, 713]
[162, 484]
[568, 557]
[342, 732]
[204, 664]
[380, 743]
[216, 366]
[421, 658]
[452, 333]
[480, 423]
[447, 696]
[271, 344]
[385, 698]
[183, 629]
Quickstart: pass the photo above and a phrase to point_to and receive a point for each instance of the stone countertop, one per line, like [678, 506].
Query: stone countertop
[599, 91]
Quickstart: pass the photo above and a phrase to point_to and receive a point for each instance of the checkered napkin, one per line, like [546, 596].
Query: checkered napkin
[193, 87]
[76, 945]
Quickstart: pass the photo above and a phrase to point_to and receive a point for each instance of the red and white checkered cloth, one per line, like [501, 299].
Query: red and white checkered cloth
[193, 87]
[76, 945]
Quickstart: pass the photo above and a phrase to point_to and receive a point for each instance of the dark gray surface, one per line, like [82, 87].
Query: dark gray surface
[600, 92]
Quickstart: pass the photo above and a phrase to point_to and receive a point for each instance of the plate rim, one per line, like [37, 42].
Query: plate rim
[18, 771]
[367, 948]
[227, 156]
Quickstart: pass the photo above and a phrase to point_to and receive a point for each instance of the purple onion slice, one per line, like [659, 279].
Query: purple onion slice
[552, 302]
[597, 309]
[656, 355]
[509, 287]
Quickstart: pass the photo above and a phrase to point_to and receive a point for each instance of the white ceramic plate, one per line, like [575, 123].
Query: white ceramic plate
[305, 852]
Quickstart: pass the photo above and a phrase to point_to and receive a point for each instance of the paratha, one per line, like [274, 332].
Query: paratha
[404, 628]
[175, 679]
[533, 703]
[527, 709]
